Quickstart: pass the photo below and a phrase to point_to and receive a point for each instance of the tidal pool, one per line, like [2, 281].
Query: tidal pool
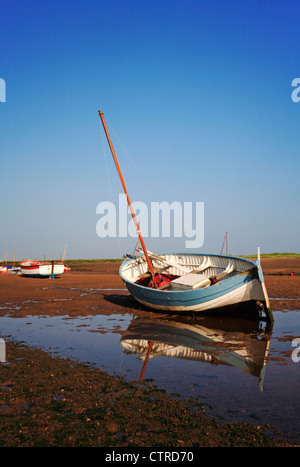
[243, 370]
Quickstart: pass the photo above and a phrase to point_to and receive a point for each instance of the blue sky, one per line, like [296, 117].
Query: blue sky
[199, 94]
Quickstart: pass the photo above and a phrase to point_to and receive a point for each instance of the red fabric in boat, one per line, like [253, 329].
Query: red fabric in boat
[161, 279]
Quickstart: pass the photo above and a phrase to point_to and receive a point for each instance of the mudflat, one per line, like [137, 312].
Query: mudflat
[43, 296]
[46, 401]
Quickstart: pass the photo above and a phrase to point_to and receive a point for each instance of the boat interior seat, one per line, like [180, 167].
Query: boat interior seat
[195, 279]
[228, 270]
[190, 281]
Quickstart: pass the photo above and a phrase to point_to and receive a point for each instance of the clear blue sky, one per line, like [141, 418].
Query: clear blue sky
[199, 94]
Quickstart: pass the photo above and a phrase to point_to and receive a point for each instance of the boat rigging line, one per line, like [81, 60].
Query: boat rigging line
[101, 115]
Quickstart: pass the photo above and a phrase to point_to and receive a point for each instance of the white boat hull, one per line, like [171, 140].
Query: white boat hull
[243, 294]
[243, 284]
[42, 269]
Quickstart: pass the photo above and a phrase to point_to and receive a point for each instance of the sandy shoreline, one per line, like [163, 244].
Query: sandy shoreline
[46, 401]
[42, 296]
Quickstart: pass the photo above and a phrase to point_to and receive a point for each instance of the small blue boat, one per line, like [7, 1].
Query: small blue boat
[190, 282]
[197, 283]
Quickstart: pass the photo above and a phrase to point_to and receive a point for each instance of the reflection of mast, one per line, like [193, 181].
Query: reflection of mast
[263, 370]
[101, 115]
[146, 361]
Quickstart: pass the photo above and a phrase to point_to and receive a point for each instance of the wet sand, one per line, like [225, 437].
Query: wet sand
[44, 296]
[46, 401]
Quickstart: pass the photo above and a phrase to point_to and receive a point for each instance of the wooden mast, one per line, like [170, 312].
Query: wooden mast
[225, 240]
[101, 115]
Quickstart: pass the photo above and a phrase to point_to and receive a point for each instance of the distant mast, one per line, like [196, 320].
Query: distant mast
[101, 115]
[225, 241]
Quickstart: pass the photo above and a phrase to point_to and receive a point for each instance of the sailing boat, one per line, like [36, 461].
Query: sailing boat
[3, 267]
[191, 282]
[34, 268]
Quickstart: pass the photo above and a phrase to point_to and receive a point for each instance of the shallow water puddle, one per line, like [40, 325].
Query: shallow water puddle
[244, 370]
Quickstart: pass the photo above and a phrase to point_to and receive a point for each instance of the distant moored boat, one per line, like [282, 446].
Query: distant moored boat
[34, 268]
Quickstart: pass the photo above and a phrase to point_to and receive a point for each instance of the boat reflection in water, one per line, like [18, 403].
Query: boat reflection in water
[230, 341]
